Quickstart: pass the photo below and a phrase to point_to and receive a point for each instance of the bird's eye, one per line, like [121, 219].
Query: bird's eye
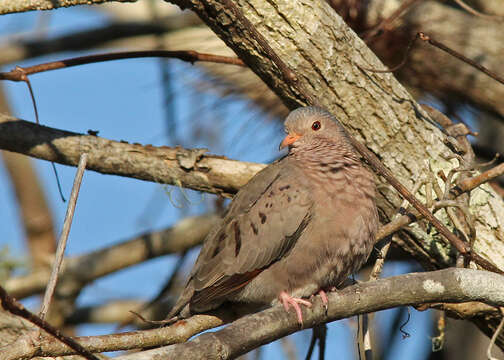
[316, 126]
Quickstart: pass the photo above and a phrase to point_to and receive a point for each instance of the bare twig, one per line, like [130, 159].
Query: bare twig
[470, 10]
[10, 304]
[494, 337]
[398, 222]
[384, 246]
[319, 333]
[398, 66]
[473, 182]
[167, 287]
[20, 74]
[430, 40]
[60, 251]
[385, 23]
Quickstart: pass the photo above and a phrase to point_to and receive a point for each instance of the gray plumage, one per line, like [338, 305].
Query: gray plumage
[304, 223]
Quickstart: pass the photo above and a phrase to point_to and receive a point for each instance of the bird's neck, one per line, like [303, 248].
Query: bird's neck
[326, 156]
[334, 164]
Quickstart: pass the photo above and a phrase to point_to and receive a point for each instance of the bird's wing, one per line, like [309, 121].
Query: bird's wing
[263, 222]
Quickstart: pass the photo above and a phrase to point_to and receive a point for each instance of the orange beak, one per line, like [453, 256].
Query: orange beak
[289, 140]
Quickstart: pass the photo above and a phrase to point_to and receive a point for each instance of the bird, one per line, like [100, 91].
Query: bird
[298, 228]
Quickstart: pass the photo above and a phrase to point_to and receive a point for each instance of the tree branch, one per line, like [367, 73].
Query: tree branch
[450, 285]
[191, 56]
[11, 305]
[16, 6]
[80, 270]
[250, 332]
[175, 166]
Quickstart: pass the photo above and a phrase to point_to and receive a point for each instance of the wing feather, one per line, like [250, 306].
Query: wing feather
[262, 224]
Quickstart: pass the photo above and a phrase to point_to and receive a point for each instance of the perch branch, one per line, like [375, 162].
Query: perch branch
[449, 285]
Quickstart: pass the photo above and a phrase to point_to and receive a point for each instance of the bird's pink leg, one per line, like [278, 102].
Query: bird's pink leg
[323, 296]
[288, 300]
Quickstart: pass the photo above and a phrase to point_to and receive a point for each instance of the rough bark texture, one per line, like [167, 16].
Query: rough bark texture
[176, 166]
[324, 53]
[428, 69]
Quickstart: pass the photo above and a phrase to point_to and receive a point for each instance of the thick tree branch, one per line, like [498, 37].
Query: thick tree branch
[80, 270]
[450, 285]
[175, 166]
[250, 332]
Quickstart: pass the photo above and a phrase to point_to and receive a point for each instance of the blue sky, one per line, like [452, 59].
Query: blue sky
[124, 101]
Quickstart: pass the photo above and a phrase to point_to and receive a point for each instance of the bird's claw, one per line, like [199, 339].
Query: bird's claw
[288, 301]
[325, 300]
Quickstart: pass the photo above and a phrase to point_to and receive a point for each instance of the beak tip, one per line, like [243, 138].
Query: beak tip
[288, 140]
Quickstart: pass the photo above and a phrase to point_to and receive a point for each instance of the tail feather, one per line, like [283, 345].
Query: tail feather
[181, 308]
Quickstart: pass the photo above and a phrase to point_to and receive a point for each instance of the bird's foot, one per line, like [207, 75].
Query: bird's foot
[323, 297]
[288, 301]
[325, 301]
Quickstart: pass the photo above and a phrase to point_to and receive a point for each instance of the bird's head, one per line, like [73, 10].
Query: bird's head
[309, 125]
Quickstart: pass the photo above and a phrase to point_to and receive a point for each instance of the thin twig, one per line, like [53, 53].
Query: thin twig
[376, 30]
[494, 337]
[474, 12]
[384, 247]
[464, 186]
[473, 182]
[60, 251]
[20, 74]
[398, 66]
[167, 287]
[319, 332]
[24, 78]
[424, 37]
[366, 329]
[14, 307]
[58, 182]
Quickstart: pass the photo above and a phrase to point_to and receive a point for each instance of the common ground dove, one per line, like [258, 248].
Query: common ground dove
[301, 225]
